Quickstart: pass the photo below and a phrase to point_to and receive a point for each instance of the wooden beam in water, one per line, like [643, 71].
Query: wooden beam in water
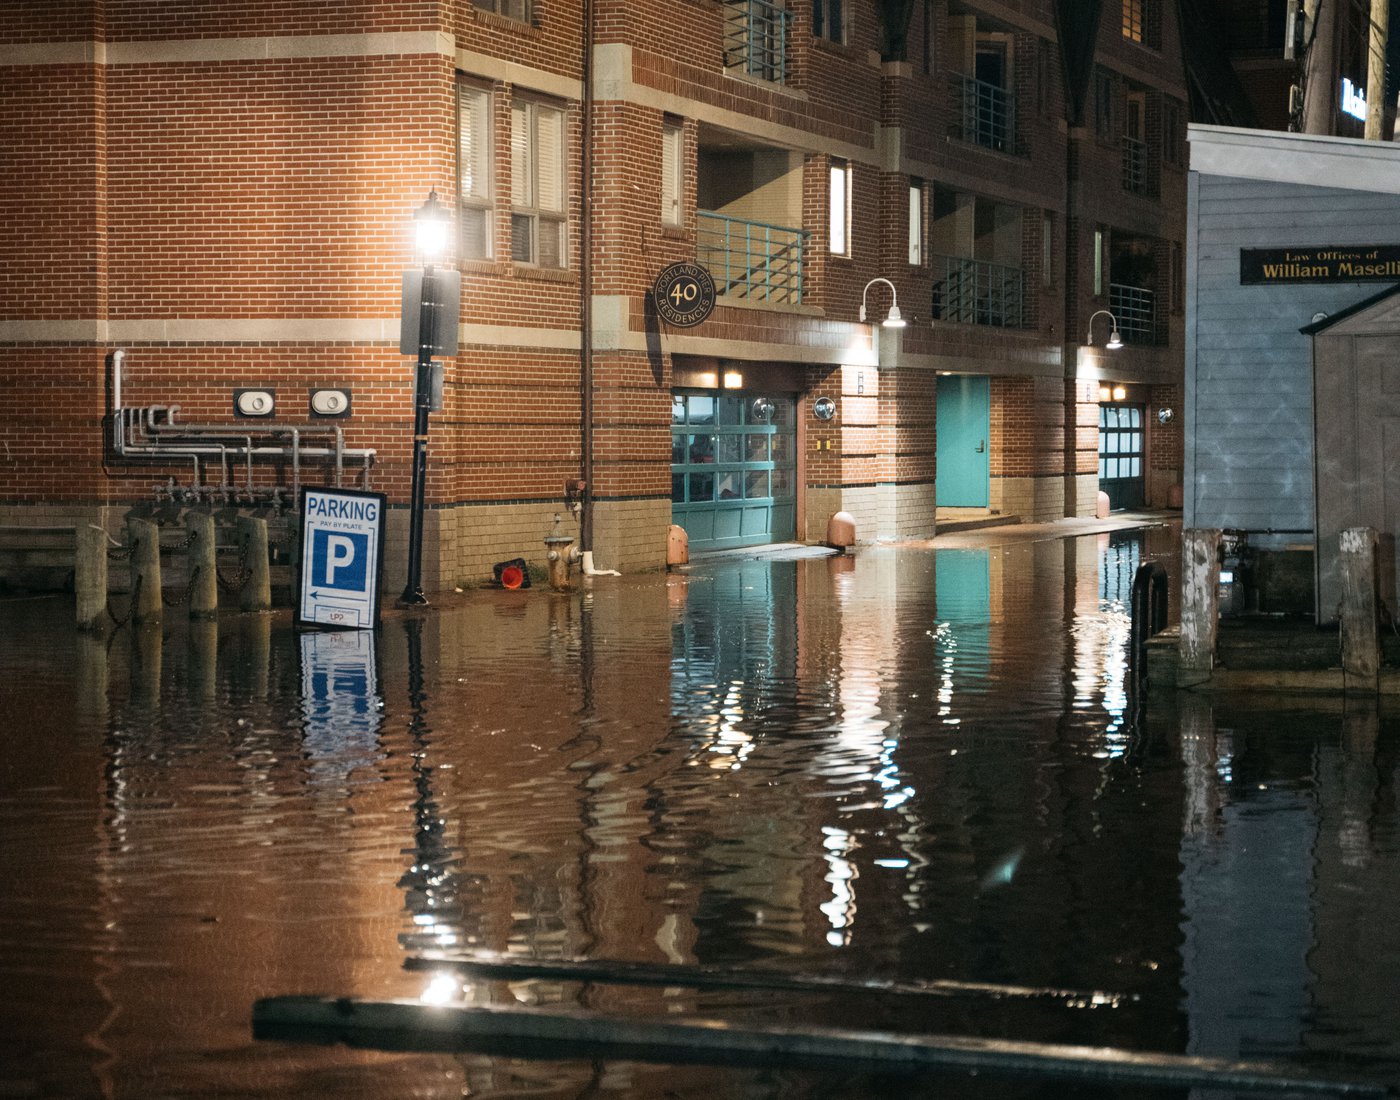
[555, 1033]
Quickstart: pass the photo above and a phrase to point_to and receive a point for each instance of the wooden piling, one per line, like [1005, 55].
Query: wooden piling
[200, 559]
[1360, 627]
[90, 577]
[1200, 603]
[256, 593]
[146, 602]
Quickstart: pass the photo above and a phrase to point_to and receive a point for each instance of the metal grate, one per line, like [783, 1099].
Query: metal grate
[756, 36]
[1135, 165]
[1135, 309]
[751, 259]
[975, 292]
[988, 114]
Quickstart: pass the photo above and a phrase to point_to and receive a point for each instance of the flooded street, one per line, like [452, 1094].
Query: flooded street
[916, 764]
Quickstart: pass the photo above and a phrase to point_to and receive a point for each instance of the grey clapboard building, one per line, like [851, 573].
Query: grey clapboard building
[1292, 237]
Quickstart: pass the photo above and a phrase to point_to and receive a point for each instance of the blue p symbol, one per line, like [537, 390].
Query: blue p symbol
[339, 560]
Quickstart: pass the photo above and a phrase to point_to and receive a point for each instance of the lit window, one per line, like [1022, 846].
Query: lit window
[840, 198]
[1132, 19]
[474, 172]
[537, 190]
[511, 9]
[828, 21]
[916, 223]
[672, 171]
[1098, 261]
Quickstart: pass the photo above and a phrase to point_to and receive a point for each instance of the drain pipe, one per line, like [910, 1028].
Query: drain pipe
[586, 295]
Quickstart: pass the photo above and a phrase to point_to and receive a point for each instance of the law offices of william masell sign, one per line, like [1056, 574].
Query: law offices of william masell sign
[1327, 264]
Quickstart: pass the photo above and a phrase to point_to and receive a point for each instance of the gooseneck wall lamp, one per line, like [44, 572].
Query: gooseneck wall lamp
[893, 319]
[431, 229]
[1114, 340]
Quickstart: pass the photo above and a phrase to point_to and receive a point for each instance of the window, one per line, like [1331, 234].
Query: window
[828, 20]
[1098, 262]
[916, 223]
[1047, 249]
[840, 198]
[474, 173]
[537, 190]
[1173, 143]
[511, 9]
[1103, 104]
[672, 171]
[1132, 19]
[1178, 278]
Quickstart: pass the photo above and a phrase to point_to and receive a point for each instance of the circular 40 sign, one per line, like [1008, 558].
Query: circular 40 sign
[684, 294]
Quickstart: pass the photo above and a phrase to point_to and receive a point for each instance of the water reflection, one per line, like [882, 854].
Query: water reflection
[912, 763]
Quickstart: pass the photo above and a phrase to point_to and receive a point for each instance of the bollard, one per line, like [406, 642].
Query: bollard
[146, 602]
[677, 545]
[1361, 643]
[90, 577]
[256, 593]
[1200, 593]
[203, 577]
[202, 680]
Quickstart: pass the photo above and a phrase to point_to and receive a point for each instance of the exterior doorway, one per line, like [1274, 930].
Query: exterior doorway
[733, 468]
[963, 418]
[1121, 455]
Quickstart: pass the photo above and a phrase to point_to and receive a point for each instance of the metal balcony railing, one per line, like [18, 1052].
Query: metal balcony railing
[975, 292]
[751, 259]
[1135, 178]
[1135, 309]
[756, 34]
[988, 113]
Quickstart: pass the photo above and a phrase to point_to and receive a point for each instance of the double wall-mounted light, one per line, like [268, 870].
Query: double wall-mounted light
[1114, 340]
[893, 319]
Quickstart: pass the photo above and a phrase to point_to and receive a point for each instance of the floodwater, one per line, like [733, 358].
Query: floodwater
[916, 764]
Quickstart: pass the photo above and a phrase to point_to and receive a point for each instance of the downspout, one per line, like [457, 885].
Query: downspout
[586, 292]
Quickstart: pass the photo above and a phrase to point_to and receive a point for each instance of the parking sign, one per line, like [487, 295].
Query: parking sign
[342, 544]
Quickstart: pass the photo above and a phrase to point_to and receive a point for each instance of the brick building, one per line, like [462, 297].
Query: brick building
[226, 193]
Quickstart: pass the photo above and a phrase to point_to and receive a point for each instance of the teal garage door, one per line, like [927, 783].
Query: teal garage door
[1121, 455]
[733, 468]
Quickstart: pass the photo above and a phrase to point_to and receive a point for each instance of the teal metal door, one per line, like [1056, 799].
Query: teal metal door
[963, 478]
[733, 468]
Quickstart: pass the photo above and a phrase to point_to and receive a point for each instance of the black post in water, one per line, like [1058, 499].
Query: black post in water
[422, 396]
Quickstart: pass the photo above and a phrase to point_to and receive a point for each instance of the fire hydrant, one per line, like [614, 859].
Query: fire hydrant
[562, 554]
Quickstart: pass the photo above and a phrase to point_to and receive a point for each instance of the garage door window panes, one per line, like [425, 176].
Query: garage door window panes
[1121, 455]
[732, 468]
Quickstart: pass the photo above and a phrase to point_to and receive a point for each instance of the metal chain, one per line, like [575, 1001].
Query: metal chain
[241, 577]
[123, 554]
[131, 607]
[177, 601]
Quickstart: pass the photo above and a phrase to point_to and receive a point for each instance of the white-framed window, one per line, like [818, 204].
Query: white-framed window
[829, 20]
[511, 9]
[840, 200]
[917, 230]
[1098, 262]
[672, 171]
[474, 170]
[538, 194]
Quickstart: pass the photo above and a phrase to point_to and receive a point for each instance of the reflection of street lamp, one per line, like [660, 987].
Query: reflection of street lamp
[893, 319]
[431, 229]
[1114, 340]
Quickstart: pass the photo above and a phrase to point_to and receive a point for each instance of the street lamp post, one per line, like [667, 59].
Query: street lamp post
[431, 231]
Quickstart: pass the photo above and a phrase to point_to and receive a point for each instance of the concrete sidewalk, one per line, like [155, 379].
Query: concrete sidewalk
[997, 533]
